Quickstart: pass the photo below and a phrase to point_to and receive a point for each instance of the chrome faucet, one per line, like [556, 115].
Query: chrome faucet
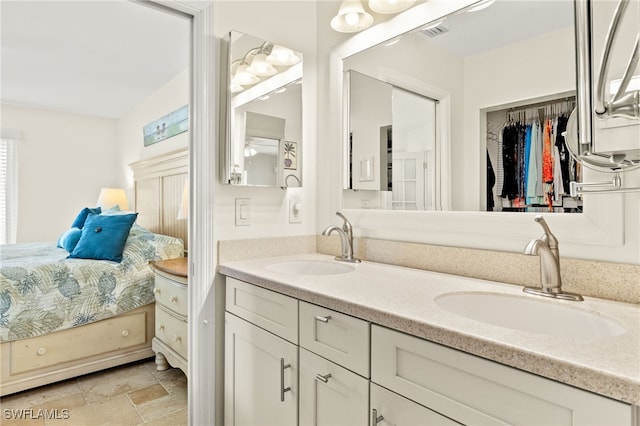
[547, 248]
[346, 239]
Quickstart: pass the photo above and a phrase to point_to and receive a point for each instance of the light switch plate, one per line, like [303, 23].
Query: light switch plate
[243, 211]
[295, 209]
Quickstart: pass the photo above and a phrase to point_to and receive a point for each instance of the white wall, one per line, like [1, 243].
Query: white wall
[63, 161]
[292, 24]
[168, 98]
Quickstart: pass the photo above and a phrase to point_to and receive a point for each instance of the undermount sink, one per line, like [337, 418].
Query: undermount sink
[530, 315]
[310, 267]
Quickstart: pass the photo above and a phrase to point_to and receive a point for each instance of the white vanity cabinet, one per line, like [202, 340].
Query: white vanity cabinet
[472, 390]
[261, 364]
[333, 348]
[330, 394]
[292, 362]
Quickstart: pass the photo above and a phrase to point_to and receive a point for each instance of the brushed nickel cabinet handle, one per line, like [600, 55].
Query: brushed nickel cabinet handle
[323, 379]
[323, 319]
[282, 388]
[375, 419]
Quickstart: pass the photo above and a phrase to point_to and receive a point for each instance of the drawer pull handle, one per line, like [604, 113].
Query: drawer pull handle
[125, 333]
[323, 379]
[375, 419]
[161, 327]
[177, 338]
[323, 319]
[41, 351]
[156, 290]
[173, 299]
[283, 366]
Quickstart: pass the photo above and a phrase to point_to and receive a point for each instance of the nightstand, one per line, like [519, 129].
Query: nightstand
[170, 341]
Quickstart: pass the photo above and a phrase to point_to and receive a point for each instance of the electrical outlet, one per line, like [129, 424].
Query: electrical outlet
[243, 211]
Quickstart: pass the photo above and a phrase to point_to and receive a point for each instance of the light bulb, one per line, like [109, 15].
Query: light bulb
[351, 18]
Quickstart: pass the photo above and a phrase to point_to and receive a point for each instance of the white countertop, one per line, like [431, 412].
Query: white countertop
[404, 299]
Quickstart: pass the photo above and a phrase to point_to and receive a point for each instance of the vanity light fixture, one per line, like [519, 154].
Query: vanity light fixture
[243, 77]
[390, 6]
[282, 56]
[259, 64]
[260, 67]
[351, 17]
[480, 5]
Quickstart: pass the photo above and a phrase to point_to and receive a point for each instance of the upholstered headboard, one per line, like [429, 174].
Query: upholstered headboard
[158, 185]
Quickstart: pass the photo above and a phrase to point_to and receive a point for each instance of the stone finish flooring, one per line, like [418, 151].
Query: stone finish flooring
[134, 394]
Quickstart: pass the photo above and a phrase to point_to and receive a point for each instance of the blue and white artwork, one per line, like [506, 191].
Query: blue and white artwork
[170, 125]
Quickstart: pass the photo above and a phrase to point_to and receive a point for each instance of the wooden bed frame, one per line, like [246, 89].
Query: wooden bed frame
[28, 363]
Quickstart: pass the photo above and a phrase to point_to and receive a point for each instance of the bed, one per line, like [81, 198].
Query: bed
[61, 318]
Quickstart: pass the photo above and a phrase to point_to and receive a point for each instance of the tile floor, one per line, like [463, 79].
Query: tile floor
[134, 394]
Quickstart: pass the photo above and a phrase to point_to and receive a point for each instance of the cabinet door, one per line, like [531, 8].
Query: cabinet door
[475, 391]
[330, 394]
[261, 376]
[392, 409]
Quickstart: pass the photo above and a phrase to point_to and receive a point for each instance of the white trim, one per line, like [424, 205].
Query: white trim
[202, 248]
[597, 234]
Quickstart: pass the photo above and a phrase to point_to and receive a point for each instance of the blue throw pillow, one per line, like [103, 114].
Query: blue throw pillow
[103, 237]
[82, 216]
[69, 239]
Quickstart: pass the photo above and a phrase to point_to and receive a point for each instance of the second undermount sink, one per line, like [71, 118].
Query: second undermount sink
[527, 314]
[310, 267]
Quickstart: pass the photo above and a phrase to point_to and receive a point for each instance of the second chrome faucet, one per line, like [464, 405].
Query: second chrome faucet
[346, 239]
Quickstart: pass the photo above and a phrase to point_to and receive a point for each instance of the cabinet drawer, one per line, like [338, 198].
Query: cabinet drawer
[171, 293]
[399, 411]
[473, 390]
[267, 309]
[338, 337]
[330, 394]
[120, 332]
[171, 330]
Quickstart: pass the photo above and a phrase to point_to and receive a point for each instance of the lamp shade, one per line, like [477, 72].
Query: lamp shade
[183, 211]
[390, 6]
[111, 197]
[351, 17]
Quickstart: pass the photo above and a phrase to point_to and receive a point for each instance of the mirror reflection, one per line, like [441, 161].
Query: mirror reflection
[264, 124]
[511, 63]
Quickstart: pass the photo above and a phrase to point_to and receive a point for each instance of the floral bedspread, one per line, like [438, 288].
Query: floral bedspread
[41, 291]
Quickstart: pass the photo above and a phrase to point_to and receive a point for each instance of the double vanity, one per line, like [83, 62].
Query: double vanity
[311, 340]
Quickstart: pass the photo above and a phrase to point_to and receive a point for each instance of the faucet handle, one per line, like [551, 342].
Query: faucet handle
[550, 239]
[346, 226]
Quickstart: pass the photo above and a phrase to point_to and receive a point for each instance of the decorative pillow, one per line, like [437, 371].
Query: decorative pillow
[82, 216]
[69, 239]
[103, 237]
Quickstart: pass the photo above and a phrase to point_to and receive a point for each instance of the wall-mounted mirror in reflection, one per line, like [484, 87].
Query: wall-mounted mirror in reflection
[512, 63]
[264, 113]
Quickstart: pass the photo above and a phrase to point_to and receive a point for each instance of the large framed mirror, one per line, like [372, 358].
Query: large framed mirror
[461, 83]
[595, 233]
[263, 137]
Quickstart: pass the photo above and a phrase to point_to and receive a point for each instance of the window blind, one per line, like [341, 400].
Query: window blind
[8, 189]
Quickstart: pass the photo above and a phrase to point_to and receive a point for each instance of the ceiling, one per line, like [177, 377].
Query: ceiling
[91, 57]
[103, 57]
